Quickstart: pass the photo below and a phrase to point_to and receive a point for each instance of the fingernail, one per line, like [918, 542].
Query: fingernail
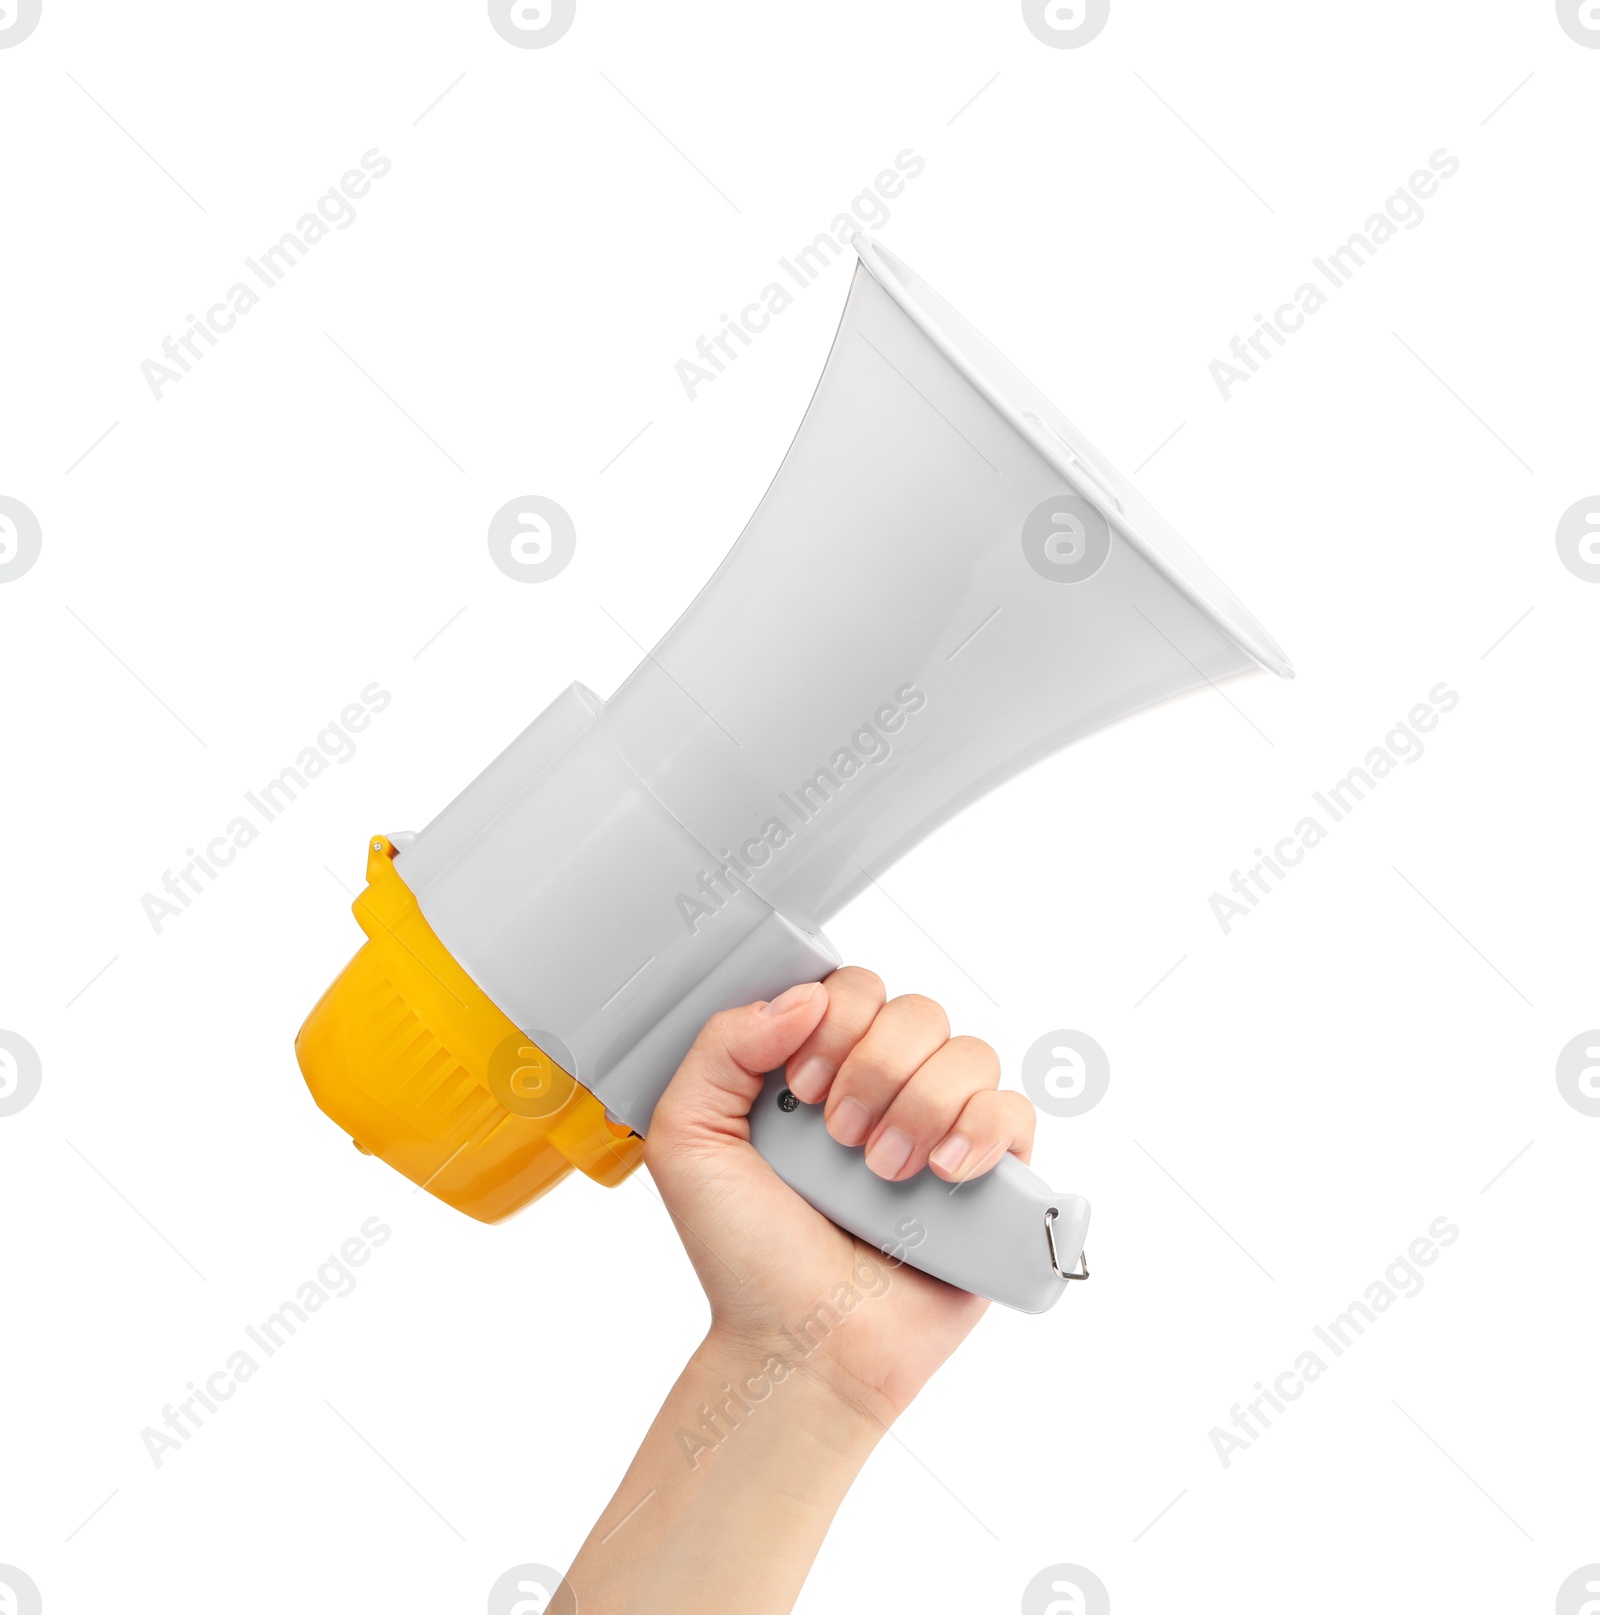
[950, 1154]
[850, 1122]
[809, 1080]
[793, 999]
[890, 1151]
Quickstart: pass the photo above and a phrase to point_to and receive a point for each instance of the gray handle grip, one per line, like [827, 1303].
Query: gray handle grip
[1006, 1235]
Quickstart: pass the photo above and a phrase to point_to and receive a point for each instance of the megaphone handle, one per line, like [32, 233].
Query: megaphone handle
[1006, 1235]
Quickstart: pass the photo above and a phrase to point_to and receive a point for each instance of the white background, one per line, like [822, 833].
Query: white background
[1361, 1055]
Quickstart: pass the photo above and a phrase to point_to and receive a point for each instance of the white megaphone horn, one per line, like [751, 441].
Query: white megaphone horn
[541, 956]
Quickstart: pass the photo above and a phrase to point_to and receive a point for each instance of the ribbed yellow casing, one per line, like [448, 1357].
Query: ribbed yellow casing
[412, 1059]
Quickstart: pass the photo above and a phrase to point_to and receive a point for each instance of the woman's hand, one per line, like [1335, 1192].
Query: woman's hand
[817, 1340]
[890, 1077]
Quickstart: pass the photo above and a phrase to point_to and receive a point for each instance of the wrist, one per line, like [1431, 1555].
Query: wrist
[774, 1380]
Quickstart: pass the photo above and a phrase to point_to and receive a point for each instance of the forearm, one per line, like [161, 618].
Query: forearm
[731, 1492]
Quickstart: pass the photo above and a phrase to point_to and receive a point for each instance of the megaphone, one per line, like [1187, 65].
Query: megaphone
[978, 587]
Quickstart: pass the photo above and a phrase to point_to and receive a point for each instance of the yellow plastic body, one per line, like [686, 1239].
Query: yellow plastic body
[412, 1059]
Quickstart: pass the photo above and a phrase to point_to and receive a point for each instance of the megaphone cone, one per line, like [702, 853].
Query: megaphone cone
[979, 588]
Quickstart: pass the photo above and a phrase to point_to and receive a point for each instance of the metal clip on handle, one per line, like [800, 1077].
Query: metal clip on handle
[1055, 1261]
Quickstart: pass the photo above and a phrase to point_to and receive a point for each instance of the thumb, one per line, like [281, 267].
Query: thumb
[711, 1093]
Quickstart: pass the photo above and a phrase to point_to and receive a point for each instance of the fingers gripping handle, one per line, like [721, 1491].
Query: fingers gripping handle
[1005, 1235]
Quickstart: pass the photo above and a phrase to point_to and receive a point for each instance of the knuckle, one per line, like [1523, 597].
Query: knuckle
[1009, 1117]
[716, 1031]
[860, 981]
[868, 1072]
[920, 1115]
[927, 1108]
[924, 1010]
[976, 1055]
[983, 1113]
[848, 1021]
